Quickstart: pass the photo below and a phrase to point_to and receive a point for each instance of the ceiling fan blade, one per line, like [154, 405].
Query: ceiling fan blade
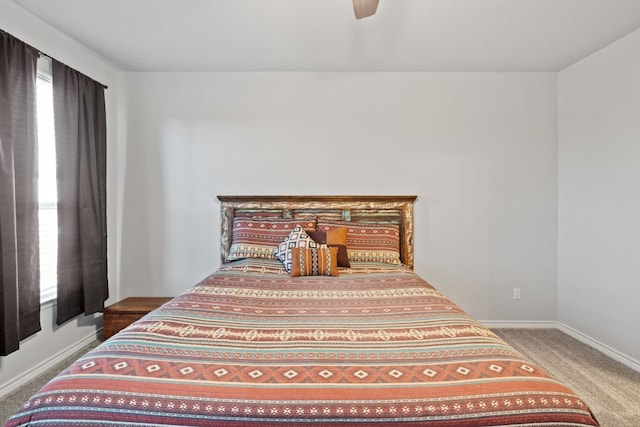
[364, 8]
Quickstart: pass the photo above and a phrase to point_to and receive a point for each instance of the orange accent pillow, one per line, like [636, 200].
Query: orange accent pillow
[322, 261]
[335, 237]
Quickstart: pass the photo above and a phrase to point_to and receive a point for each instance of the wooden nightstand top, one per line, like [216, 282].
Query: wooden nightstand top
[137, 305]
[123, 313]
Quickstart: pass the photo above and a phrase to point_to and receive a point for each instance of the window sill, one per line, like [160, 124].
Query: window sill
[48, 303]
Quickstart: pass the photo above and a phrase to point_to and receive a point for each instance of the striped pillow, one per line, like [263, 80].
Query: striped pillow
[322, 261]
[368, 241]
[260, 237]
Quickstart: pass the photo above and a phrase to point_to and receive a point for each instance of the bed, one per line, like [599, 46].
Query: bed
[290, 332]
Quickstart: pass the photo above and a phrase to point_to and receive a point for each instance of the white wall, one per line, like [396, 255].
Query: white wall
[53, 341]
[599, 196]
[479, 150]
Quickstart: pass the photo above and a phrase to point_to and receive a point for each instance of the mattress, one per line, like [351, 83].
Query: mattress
[250, 345]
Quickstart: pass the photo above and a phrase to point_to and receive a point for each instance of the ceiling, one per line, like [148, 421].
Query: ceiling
[323, 35]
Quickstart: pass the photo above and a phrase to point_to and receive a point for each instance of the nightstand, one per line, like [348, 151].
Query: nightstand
[123, 313]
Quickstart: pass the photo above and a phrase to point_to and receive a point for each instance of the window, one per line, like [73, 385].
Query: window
[47, 189]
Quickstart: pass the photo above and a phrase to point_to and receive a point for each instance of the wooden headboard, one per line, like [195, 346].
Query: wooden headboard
[373, 209]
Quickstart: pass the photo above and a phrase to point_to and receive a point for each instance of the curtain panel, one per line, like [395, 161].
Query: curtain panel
[81, 136]
[19, 252]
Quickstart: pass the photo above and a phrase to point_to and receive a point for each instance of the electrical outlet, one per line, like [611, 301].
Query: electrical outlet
[516, 293]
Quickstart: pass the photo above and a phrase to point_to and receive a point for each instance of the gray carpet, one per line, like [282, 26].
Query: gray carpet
[14, 401]
[611, 389]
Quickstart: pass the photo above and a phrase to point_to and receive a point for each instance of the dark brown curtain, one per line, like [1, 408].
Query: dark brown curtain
[81, 137]
[19, 259]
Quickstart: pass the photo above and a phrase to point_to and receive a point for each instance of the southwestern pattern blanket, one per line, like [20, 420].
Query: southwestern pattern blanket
[250, 345]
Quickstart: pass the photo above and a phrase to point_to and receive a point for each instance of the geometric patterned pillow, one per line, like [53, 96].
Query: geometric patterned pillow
[377, 242]
[260, 237]
[298, 238]
[320, 261]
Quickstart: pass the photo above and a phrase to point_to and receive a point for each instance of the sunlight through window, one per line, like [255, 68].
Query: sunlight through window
[47, 188]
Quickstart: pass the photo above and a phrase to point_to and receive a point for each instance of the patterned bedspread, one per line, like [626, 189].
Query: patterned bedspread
[250, 345]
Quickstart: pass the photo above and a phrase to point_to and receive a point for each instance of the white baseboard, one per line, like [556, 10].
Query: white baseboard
[521, 324]
[48, 363]
[583, 338]
[603, 348]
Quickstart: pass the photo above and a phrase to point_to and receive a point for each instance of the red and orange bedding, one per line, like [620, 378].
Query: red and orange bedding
[251, 345]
